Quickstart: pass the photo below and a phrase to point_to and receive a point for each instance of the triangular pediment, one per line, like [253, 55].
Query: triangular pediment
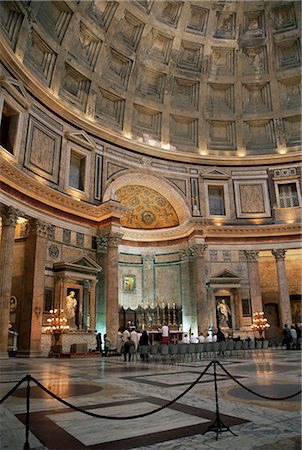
[80, 138]
[80, 263]
[226, 274]
[17, 90]
[215, 173]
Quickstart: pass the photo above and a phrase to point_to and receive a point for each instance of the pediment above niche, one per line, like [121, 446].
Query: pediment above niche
[215, 173]
[81, 138]
[224, 277]
[16, 90]
[82, 264]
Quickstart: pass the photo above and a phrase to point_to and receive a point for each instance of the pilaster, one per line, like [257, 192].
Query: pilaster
[112, 309]
[284, 300]
[252, 257]
[32, 306]
[9, 220]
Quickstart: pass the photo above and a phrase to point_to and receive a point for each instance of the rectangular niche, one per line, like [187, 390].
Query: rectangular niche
[11, 21]
[102, 12]
[252, 199]
[221, 135]
[226, 24]
[284, 18]
[253, 24]
[292, 127]
[170, 12]
[75, 88]
[259, 135]
[147, 122]
[151, 84]
[131, 30]
[118, 68]
[220, 98]
[40, 57]
[42, 154]
[198, 20]
[109, 107]
[256, 98]
[183, 131]
[290, 92]
[54, 17]
[222, 61]
[190, 56]
[78, 170]
[85, 46]
[254, 60]
[185, 93]
[10, 128]
[160, 47]
[288, 54]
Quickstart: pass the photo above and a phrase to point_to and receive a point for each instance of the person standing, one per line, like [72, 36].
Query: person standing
[165, 334]
[129, 349]
[287, 337]
[294, 336]
[119, 341]
[107, 344]
[201, 338]
[220, 335]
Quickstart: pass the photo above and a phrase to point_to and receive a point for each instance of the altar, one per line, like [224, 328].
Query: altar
[175, 336]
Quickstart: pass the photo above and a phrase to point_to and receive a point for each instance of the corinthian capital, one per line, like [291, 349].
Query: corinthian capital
[251, 255]
[279, 253]
[9, 216]
[113, 239]
[38, 227]
[198, 250]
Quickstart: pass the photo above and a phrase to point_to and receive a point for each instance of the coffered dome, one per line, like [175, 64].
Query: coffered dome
[195, 79]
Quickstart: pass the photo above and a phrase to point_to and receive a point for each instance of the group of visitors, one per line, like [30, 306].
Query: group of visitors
[129, 340]
[292, 337]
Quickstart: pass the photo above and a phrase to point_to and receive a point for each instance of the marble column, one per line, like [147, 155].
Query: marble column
[34, 281]
[284, 300]
[9, 220]
[200, 293]
[185, 289]
[112, 288]
[92, 305]
[148, 280]
[100, 295]
[252, 257]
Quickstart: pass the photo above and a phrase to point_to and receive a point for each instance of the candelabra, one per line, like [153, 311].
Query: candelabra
[260, 323]
[57, 325]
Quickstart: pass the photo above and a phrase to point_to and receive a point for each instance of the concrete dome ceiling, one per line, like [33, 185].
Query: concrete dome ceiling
[219, 78]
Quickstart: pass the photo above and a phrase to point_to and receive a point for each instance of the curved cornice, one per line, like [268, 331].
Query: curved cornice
[57, 106]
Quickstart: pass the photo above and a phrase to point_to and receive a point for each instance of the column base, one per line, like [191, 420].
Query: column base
[4, 355]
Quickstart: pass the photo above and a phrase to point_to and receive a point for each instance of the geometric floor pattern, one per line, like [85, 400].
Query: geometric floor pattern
[112, 387]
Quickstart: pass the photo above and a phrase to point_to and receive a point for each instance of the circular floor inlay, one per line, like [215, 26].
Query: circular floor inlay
[61, 390]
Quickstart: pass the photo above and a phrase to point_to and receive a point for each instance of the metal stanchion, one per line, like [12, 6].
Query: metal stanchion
[26, 445]
[217, 425]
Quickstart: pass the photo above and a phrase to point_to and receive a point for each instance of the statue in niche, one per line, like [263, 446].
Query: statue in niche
[223, 313]
[70, 309]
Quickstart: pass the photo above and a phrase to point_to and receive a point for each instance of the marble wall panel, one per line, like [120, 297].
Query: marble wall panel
[168, 283]
[42, 155]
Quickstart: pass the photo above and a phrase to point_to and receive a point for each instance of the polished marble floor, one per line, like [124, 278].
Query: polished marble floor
[112, 387]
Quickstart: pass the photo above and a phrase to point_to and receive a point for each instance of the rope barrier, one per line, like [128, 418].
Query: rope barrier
[136, 416]
[217, 425]
[255, 393]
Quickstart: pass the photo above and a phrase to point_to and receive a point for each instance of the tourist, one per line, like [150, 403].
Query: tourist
[107, 344]
[185, 339]
[119, 341]
[129, 349]
[287, 337]
[193, 339]
[201, 338]
[294, 336]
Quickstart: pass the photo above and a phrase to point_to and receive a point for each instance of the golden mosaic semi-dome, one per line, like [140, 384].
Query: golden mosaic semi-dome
[186, 80]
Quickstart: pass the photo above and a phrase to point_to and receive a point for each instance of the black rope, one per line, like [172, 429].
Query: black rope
[136, 416]
[255, 393]
[13, 389]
